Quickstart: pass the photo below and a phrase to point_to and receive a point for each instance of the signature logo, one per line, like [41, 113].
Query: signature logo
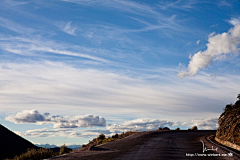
[208, 149]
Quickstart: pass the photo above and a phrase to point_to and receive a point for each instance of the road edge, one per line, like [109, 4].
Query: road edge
[222, 146]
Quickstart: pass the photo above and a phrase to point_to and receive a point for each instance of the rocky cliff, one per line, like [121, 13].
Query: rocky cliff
[229, 124]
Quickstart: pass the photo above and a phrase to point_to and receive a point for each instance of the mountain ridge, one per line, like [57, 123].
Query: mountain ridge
[55, 146]
[12, 144]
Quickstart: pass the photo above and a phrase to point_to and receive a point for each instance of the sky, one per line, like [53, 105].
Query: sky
[73, 69]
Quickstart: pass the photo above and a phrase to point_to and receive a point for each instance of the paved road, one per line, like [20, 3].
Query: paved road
[156, 145]
[177, 145]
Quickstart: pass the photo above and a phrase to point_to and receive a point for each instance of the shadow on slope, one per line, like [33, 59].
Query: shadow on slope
[12, 144]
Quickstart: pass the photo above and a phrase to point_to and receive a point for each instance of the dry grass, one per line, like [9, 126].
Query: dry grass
[42, 153]
[101, 139]
[34, 154]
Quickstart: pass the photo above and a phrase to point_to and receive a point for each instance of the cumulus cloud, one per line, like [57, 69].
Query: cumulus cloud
[140, 125]
[208, 123]
[143, 124]
[217, 47]
[26, 116]
[33, 116]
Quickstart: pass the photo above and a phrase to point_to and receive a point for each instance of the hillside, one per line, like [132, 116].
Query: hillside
[12, 144]
[229, 124]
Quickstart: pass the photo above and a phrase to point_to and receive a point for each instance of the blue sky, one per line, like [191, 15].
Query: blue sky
[78, 68]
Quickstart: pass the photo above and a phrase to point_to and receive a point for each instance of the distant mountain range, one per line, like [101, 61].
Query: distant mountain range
[54, 146]
[12, 144]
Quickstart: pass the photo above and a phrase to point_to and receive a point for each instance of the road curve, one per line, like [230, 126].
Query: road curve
[178, 145]
[158, 145]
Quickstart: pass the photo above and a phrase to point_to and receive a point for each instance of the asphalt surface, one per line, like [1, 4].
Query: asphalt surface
[178, 145]
[158, 145]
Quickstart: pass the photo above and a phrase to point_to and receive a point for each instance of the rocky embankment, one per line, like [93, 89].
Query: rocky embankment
[228, 132]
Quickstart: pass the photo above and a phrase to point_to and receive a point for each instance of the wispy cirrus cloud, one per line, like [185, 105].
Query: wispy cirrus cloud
[65, 132]
[127, 6]
[37, 45]
[46, 132]
[14, 3]
[162, 21]
[33, 116]
[58, 84]
[68, 28]
[186, 5]
[15, 27]
[224, 3]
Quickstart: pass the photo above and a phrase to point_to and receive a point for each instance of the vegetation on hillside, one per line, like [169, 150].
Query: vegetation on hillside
[64, 150]
[42, 153]
[101, 139]
[35, 154]
[229, 123]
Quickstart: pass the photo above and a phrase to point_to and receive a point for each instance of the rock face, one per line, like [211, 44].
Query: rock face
[229, 124]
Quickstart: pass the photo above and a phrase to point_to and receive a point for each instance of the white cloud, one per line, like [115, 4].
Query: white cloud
[64, 132]
[60, 88]
[144, 10]
[181, 5]
[218, 46]
[234, 21]
[45, 132]
[224, 3]
[142, 124]
[33, 116]
[68, 28]
[37, 45]
[15, 3]
[197, 42]
[207, 124]
[26, 116]
[15, 27]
